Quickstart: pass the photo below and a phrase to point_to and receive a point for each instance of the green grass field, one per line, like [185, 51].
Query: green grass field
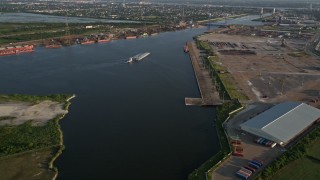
[31, 165]
[314, 150]
[227, 79]
[232, 89]
[298, 54]
[304, 168]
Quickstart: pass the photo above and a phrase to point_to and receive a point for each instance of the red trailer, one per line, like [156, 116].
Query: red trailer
[246, 171]
[237, 154]
[250, 169]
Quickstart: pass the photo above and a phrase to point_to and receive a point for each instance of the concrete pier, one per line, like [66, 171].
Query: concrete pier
[209, 94]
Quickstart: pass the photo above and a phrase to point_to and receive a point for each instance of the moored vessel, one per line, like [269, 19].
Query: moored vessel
[138, 57]
[88, 42]
[103, 40]
[186, 48]
[131, 37]
[15, 49]
[53, 46]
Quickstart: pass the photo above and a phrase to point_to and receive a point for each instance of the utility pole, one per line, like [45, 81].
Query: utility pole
[218, 87]
[282, 85]
[223, 97]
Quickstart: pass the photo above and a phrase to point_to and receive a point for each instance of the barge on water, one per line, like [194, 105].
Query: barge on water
[138, 57]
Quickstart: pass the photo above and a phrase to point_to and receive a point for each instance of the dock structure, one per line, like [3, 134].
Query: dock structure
[208, 91]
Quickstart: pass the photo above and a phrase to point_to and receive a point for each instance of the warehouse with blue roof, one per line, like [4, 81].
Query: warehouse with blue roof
[283, 122]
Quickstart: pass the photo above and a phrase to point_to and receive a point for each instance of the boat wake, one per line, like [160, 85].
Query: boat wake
[102, 65]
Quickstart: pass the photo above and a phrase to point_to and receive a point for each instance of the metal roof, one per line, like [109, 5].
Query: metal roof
[284, 121]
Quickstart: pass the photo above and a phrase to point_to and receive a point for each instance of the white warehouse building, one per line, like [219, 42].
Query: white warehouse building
[282, 122]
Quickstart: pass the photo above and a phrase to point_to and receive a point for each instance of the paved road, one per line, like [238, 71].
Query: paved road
[209, 94]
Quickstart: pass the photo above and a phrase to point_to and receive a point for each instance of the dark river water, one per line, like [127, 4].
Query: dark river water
[128, 121]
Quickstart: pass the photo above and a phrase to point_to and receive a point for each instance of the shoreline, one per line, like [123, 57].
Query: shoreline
[61, 146]
[40, 42]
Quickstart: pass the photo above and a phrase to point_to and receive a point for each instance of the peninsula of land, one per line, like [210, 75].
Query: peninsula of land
[30, 135]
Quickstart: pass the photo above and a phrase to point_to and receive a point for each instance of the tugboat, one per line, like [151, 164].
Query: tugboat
[138, 57]
[186, 48]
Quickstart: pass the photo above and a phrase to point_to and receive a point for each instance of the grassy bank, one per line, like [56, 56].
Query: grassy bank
[28, 165]
[22, 141]
[305, 168]
[298, 54]
[298, 162]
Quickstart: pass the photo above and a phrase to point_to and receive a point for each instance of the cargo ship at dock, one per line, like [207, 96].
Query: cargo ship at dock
[15, 50]
[103, 40]
[186, 48]
[138, 57]
[53, 46]
[88, 42]
[131, 37]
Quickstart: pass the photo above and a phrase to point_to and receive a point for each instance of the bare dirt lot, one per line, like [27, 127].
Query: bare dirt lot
[268, 70]
[17, 113]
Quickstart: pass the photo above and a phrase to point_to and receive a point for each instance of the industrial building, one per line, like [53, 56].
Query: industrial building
[282, 122]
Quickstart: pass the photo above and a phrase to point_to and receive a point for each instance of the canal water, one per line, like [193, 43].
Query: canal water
[128, 121]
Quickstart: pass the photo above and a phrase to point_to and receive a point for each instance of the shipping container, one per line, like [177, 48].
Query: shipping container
[250, 169]
[254, 165]
[258, 160]
[260, 140]
[269, 143]
[239, 149]
[242, 176]
[235, 142]
[246, 171]
[264, 142]
[257, 163]
[237, 154]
